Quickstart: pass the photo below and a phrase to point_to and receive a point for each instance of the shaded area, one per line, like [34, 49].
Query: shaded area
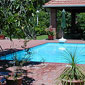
[32, 63]
[3, 68]
[27, 80]
[8, 51]
[5, 63]
[41, 74]
[4, 72]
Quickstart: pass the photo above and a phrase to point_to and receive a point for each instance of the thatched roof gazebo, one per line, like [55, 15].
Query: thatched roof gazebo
[73, 6]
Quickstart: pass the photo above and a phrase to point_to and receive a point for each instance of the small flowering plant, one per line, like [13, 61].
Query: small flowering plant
[50, 31]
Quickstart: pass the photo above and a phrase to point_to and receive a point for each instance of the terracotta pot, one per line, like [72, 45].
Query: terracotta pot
[50, 37]
[17, 81]
[2, 37]
[74, 82]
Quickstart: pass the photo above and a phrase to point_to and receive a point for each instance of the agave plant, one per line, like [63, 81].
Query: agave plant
[72, 72]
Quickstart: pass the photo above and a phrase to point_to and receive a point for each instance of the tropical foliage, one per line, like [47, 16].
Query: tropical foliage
[72, 71]
[18, 18]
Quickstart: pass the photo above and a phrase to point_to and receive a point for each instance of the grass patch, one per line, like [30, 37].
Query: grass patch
[42, 37]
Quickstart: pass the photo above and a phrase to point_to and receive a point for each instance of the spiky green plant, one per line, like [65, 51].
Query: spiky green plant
[72, 71]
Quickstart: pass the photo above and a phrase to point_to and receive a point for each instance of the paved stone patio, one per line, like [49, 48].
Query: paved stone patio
[18, 43]
[43, 73]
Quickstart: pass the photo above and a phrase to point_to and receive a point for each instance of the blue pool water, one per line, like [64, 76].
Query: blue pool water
[51, 52]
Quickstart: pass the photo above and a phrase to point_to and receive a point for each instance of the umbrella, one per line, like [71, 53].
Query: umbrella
[63, 22]
[63, 25]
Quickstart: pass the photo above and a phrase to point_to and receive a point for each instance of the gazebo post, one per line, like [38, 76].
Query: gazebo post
[53, 20]
[73, 20]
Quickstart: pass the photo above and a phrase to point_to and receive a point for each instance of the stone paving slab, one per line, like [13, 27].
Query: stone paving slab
[45, 73]
[18, 43]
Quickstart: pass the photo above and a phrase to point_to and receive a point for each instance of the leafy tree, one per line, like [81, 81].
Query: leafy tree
[43, 22]
[81, 20]
[17, 20]
[15, 15]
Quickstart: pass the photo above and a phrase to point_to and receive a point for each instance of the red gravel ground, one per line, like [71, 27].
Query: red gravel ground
[44, 73]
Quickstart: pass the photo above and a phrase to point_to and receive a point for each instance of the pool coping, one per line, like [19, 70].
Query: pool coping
[56, 41]
[18, 43]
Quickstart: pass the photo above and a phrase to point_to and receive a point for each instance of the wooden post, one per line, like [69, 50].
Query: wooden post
[53, 20]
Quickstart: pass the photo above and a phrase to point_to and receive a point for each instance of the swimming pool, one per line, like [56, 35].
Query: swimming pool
[51, 52]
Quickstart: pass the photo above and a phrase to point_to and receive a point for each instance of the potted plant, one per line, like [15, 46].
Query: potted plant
[16, 77]
[14, 80]
[72, 74]
[50, 33]
[1, 35]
